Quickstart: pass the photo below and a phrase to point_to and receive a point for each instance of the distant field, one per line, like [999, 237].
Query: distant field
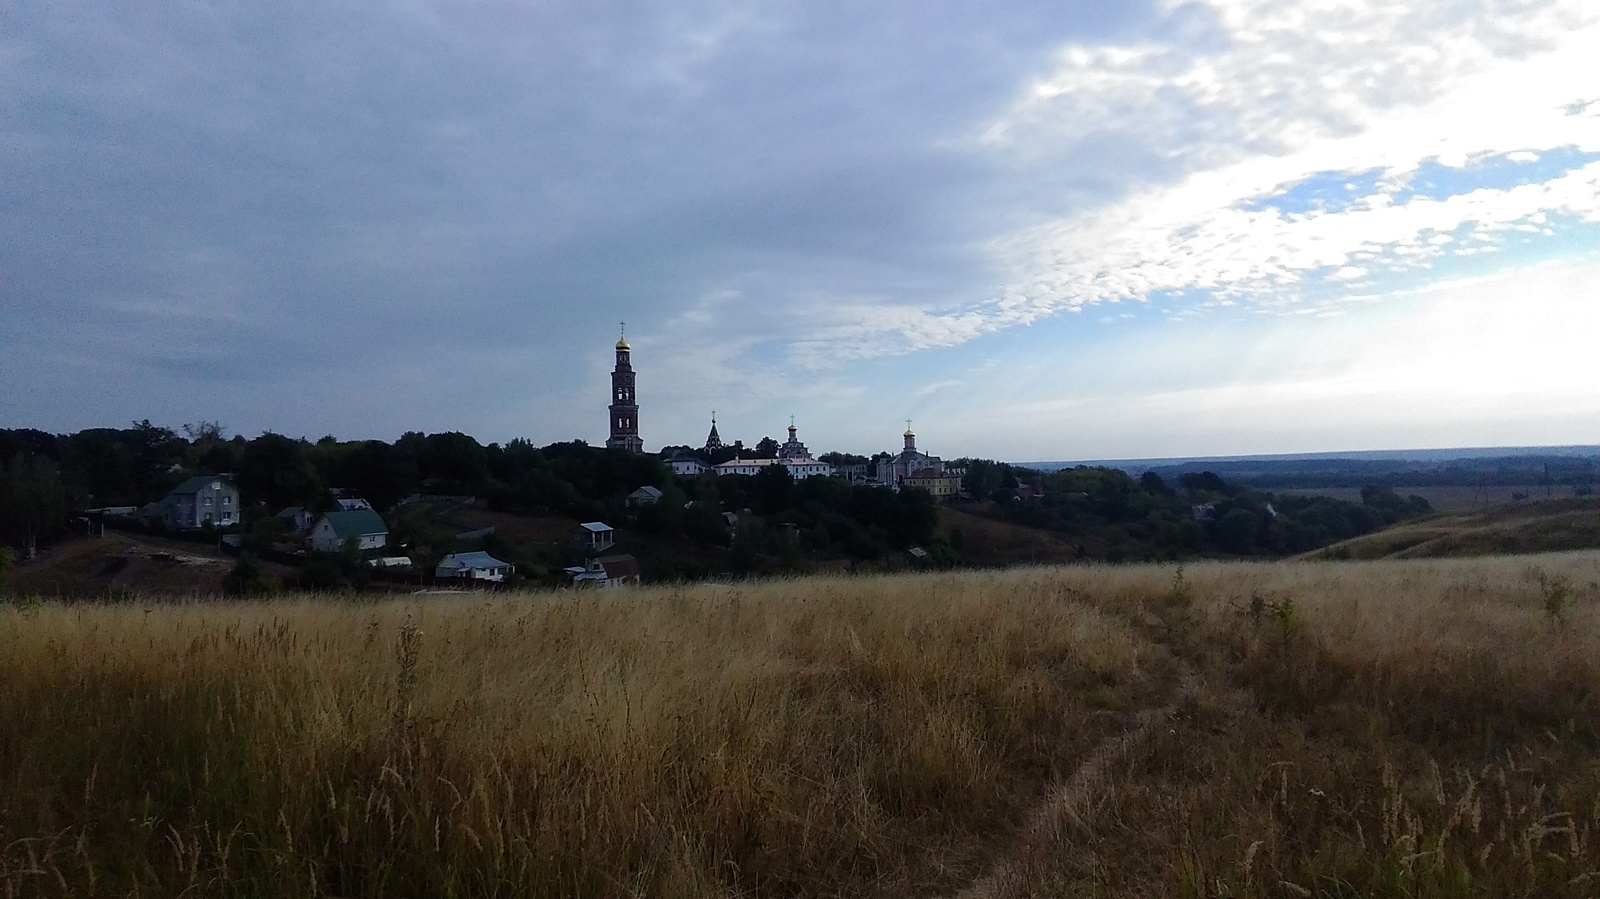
[1445, 499]
[1396, 728]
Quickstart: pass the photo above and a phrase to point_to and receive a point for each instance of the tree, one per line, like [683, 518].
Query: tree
[983, 476]
[33, 501]
[377, 472]
[456, 458]
[1236, 532]
[277, 471]
[247, 578]
[157, 452]
[766, 448]
[1154, 484]
[773, 489]
[1202, 482]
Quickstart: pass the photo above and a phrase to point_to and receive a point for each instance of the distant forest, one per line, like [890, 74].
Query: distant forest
[1101, 513]
[1574, 469]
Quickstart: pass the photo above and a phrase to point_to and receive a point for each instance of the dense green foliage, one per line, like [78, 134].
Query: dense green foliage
[1203, 514]
[766, 522]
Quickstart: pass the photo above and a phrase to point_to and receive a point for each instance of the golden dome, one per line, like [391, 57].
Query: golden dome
[908, 433]
[622, 344]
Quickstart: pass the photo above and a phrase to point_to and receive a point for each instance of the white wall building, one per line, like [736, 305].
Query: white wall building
[479, 566]
[364, 526]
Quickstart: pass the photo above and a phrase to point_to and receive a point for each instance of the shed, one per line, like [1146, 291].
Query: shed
[595, 536]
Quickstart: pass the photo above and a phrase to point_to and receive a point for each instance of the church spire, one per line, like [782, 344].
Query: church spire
[713, 441]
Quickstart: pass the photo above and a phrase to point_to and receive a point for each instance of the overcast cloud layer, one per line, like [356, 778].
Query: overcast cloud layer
[1048, 231]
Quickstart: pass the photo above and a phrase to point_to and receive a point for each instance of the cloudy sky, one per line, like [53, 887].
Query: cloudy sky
[1053, 230]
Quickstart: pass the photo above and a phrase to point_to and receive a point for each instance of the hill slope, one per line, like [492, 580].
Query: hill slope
[1546, 526]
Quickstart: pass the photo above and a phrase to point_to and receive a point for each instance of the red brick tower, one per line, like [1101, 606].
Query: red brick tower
[624, 406]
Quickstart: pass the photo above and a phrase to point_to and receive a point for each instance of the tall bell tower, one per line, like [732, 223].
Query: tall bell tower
[624, 405]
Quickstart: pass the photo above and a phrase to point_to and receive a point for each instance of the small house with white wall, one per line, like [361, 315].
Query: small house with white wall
[607, 572]
[687, 465]
[477, 566]
[364, 526]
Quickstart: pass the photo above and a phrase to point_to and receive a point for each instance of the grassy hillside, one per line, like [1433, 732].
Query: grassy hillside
[1530, 527]
[1400, 728]
[126, 565]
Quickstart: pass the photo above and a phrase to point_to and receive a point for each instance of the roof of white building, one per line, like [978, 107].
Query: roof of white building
[472, 561]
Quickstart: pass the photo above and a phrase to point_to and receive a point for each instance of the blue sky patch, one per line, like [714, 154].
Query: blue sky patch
[1322, 192]
[1436, 181]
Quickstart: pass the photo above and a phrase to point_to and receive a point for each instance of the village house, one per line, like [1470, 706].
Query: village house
[607, 572]
[943, 483]
[196, 503]
[685, 464]
[644, 496]
[298, 519]
[363, 526]
[476, 566]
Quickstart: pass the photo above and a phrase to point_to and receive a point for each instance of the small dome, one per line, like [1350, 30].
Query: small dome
[908, 433]
[622, 344]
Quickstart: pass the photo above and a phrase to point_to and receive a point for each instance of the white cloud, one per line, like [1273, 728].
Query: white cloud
[1260, 97]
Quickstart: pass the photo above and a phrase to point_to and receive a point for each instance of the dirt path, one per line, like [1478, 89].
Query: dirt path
[1070, 808]
[1071, 804]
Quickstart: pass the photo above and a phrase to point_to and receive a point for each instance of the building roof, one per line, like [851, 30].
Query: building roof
[647, 490]
[596, 527]
[472, 561]
[618, 566]
[356, 523]
[197, 484]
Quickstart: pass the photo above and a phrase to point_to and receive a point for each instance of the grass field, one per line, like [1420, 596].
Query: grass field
[1395, 728]
[1535, 526]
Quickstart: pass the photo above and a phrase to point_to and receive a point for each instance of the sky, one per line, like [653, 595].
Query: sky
[1053, 230]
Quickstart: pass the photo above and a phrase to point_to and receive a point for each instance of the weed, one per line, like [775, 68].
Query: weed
[1556, 593]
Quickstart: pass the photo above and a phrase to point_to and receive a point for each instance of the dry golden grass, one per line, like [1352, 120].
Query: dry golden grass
[1511, 528]
[1382, 728]
[773, 738]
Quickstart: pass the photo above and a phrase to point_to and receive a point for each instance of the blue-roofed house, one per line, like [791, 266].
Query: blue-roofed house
[478, 566]
[364, 526]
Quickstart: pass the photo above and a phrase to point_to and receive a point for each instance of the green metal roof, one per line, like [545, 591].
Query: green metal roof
[356, 523]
